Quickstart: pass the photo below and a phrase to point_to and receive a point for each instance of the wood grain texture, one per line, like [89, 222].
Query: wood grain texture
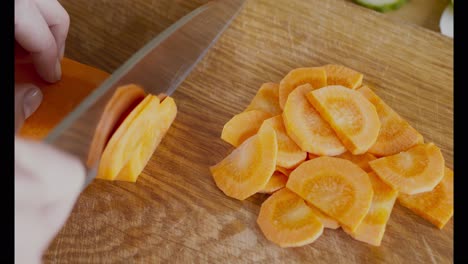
[176, 214]
[425, 13]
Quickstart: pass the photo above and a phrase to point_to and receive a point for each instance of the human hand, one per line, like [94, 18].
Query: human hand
[47, 184]
[41, 28]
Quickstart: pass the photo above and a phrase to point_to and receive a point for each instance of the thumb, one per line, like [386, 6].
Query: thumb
[27, 99]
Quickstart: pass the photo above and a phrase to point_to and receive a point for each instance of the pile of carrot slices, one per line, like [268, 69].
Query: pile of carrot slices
[332, 154]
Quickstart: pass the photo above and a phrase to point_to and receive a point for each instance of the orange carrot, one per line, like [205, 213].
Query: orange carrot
[396, 134]
[249, 167]
[59, 99]
[266, 99]
[242, 126]
[435, 206]
[307, 128]
[336, 186]
[350, 114]
[414, 171]
[315, 76]
[290, 154]
[286, 220]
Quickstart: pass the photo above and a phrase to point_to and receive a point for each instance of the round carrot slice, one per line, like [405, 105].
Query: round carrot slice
[290, 154]
[307, 128]
[372, 228]
[435, 206]
[341, 75]
[414, 171]
[396, 134]
[287, 221]
[336, 186]
[315, 76]
[163, 118]
[242, 126]
[124, 100]
[350, 114]
[277, 181]
[266, 99]
[326, 220]
[126, 139]
[361, 160]
[249, 167]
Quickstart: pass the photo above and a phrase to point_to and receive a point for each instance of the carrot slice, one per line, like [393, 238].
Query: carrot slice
[336, 186]
[315, 76]
[307, 128]
[372, 228]
[266, 99]
[124, 100]
[290, 154]
[249, 167]
[350, 114]
[162, 119]
[126, 139]
[396, 134]
[341, 75]
[327, 221]
[277, 181]
[435, 206]
[414, 171]
[242, 126]
[60, 98]
[361, 160]
[287, 221]
[284, 170]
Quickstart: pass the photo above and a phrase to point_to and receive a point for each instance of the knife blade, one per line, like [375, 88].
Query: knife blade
[158, 67]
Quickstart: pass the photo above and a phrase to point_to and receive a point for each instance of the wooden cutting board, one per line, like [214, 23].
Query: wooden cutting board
[176, 214]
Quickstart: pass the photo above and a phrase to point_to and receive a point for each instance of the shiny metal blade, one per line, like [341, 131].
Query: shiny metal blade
[159, 67]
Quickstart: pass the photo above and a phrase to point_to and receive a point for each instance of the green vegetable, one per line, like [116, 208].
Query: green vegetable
[381, 5]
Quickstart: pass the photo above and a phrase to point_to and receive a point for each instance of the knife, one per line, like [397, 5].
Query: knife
[158, 67]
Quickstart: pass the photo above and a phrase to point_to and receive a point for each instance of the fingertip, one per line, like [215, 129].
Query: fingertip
[32, 101]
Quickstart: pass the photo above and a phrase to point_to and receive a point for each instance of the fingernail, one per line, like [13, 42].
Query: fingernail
[32, 100]
[58, 71]
[62, 51]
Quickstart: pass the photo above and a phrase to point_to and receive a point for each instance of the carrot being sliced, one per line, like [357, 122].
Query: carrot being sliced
[350, 114]
[60, 98]
[307, 128]
[435, 206]
[336, 186]
[249, 167]
[127, 138]
[162, 120]
[315, 76]
[266, 99]
[327, 221]
[372, 228]
[277, 181]
[416, 170]
[124, 100]
[396, 134]
[290, 154]
[287, 221]
[242, 126]
[341, 75]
